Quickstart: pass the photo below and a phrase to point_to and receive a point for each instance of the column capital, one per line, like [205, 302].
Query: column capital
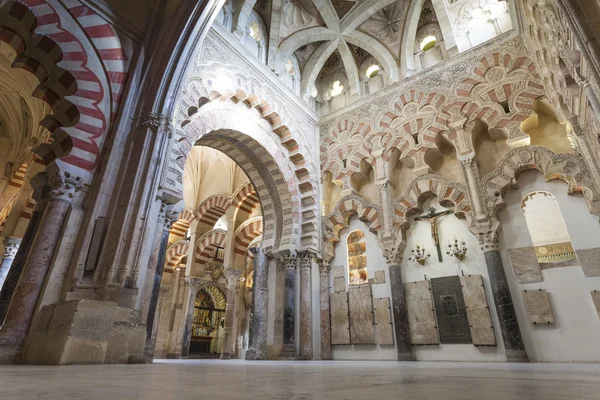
[153, 122]
[324, 267]
[287, 261]
[11, 246]
[232, 274]
[394, 255]
[193, 282]
[487, 235]
[306, 258]
[55, 184]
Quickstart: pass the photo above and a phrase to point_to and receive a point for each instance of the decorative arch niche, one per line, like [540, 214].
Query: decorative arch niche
[357, 257]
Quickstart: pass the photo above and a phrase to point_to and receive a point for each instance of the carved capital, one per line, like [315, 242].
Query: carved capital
[233, 275]
[489, 241]
[153, 122]
[55, 184]
[324, 268]
[306, 258]
[469, 163]
[287, 261]
[193, 282]
[11, 246]
[393, 255]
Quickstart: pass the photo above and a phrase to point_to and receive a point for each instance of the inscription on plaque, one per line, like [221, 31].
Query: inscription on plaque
[478, 312]
[450, 309]
[537, 305]
[360, 302]
[383, 321]
[421, 317]
[340, 328]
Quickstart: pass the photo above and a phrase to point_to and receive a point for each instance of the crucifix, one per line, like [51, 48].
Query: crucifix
[432, 217]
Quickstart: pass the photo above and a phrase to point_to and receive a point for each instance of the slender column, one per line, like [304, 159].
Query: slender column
[324, 268]
[472, 177]
[289, 306]
[228, 335]
[383, 182]
[306, 350]
[399, 310]
[60, 188]
[507, 317]
[192, 286]
[165, 219]
[279, 305]
[175, 324]
[11, 246]
[14, 274]
[260, 299]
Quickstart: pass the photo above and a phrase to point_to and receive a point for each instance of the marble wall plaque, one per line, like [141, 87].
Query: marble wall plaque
[383, 321]
[380, 276]
[589, 261]
[537, 305]
[478, 312]
[339, 272]
[421, 316]
[596, 300]
[360, 302]
[339, 284]
[340, 326]
[525, 264]
[450, 311]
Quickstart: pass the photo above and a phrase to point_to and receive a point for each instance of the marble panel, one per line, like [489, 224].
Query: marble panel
[525, 264]
[340, 325]
[421, 316]
[383, 321]
[339, 284]
[589, 261]
[596, 299]
[537, 305]
[360, 303]
[450, 311]
[478, 312]
[339, 272]
[380, 276]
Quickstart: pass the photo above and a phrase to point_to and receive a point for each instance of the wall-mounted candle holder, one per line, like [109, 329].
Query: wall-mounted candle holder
[419, 255]
[456, 249]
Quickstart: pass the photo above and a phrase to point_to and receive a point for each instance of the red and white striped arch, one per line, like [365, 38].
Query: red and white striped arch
[175, 253]
[207, 243]
[245, 198]
[246, 233]
[181, 226]
[212, 209]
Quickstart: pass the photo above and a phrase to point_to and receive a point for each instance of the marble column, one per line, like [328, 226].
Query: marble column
[507, 317]
[289, 307]
[306, 350]
[233, 276]
[324, 268]
[165, 220]
[11, 246]
[192, 285]
[399, 310]
[279, 305]
[22, 306]
[14, 274]
[472, 177]
[260, 300]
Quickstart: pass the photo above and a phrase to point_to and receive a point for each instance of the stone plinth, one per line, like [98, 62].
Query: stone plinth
[85, 332]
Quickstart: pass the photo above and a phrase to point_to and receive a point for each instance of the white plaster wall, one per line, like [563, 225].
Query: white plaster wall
[375, 262]
[575, 335]
[450, 227]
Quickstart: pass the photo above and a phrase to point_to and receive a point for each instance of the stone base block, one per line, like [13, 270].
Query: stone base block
[85, 332]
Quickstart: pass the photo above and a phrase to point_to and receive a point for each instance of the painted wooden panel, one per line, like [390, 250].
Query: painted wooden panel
[360, 302]
[383, 321]
[421, 317]
[340, 328]
[478, 312]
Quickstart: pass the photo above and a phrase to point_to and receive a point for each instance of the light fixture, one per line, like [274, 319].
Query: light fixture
[428, 42]
[336, 89]
[372, 71]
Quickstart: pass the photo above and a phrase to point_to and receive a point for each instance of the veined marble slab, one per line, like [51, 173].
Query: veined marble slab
[339, 284]
[340, 325]
[537, 305]
[478, 312]
[360, 302]
[589, 261]
[421, 317]
[596, 299]
[525, 264]
[383, 321]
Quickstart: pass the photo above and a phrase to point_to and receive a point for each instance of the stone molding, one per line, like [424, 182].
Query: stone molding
[11, 246]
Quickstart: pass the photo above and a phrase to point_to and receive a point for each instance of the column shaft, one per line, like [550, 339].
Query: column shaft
[289, 308]
[260, 299]
[228, 334]
[400, 313]
[326, 353]
[11, 246]
[306, 351]
[191, 290]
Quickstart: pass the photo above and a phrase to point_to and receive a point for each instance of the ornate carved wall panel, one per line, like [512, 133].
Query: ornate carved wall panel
[383, 321]
[537, 305]
[478, 311]
[450, 310]
[360, 302]
[421, 317]
[340, 326]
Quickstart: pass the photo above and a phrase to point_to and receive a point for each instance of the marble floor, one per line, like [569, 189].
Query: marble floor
[285, 380]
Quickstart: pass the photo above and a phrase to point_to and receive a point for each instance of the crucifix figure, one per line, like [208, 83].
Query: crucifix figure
[432, 217]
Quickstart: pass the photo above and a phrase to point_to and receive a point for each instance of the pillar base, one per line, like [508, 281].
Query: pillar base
[406, 357]
[9, 354]
[86, 332]
[516, 356]
[226, 356]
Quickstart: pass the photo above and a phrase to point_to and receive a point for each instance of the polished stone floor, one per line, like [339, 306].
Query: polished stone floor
[286, 380]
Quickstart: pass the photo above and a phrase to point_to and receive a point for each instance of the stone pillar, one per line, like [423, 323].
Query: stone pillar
[472, 177]
[509, 325]
[324, 268]
[289, 307]
[383, 182]
[279, 305]
[192, 285]
[60, 188]
[399, 310]
[165, 220]
[260, 300]
[306, 350]
[228, 334]
[11, 246]
[14, 274]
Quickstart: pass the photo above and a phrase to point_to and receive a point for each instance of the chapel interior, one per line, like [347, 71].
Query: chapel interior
[230, 188]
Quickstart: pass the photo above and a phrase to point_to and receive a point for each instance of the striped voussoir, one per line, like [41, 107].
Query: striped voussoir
[245, 198]
[175, 253]
[12, 190]
[182, 225]
[212, 209]
[346, 208]
[206, 245]
[246, 233]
